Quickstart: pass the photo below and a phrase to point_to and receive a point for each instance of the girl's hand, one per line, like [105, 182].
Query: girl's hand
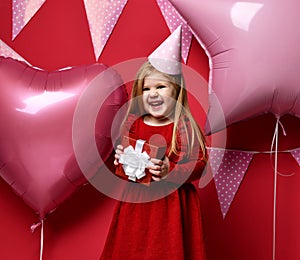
[119, 151]
[160, 169]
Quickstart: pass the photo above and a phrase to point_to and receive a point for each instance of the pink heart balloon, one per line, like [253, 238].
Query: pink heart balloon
[36, 110]
[254, 58]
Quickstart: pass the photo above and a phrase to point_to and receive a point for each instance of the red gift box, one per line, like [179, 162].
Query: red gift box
[153, 152]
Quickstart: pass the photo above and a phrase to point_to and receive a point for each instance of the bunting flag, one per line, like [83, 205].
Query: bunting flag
[228, 168]
[22, 12]
[296, 155]
[173, 20]
[6, 51]
[102, 17]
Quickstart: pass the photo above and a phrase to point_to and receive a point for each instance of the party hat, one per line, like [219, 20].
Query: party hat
[167, 57]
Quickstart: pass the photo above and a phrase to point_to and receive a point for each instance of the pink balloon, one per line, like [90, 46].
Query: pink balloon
[254, 59]
[36, 111]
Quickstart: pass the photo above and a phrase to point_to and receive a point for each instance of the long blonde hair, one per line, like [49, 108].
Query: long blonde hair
[182, 109]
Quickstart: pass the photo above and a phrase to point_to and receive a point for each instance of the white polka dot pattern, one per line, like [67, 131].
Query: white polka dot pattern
[22, 12]
[102, 17]
[228, 172]
[173, 20]
[6, 51]
[167, 57]
[296, 155]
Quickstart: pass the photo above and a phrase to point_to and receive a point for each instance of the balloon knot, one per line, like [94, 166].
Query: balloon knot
[34, 226]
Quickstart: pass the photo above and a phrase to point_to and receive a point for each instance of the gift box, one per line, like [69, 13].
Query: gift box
[133, 163]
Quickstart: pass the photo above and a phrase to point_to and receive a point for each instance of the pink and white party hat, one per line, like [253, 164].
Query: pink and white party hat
[167, 57]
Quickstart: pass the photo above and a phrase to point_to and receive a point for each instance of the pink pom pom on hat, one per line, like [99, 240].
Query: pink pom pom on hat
[167, 57]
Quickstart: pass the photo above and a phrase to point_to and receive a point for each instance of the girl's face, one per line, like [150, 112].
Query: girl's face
[159, 96]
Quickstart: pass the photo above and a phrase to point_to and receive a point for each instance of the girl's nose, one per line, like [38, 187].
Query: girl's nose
[153, 93]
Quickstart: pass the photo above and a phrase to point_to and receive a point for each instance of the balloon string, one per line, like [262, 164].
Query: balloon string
[283, 130]
[32, 228]
[275, 139]
[42, 240]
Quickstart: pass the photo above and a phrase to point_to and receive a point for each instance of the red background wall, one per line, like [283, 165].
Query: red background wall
[57, 37]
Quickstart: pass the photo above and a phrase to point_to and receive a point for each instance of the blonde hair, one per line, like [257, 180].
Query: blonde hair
[182, 109]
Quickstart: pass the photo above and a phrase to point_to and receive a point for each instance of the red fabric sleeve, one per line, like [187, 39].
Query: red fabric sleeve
[129, 127]
[192, 168]
[183, 168]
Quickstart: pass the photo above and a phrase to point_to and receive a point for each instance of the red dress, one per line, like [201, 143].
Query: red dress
[167, 228]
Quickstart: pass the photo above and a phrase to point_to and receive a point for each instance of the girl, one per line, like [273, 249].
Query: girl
[169, 227]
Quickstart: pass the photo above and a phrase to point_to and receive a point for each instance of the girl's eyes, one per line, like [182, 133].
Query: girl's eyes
[158, 87]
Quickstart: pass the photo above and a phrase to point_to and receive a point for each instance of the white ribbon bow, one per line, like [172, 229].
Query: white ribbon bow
[135, 161]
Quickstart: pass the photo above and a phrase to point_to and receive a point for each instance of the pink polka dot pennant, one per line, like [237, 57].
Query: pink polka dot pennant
[173, 20]
[6, 51]
[102, 17]
[228, 173]
[22, 12]
[296, 155]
